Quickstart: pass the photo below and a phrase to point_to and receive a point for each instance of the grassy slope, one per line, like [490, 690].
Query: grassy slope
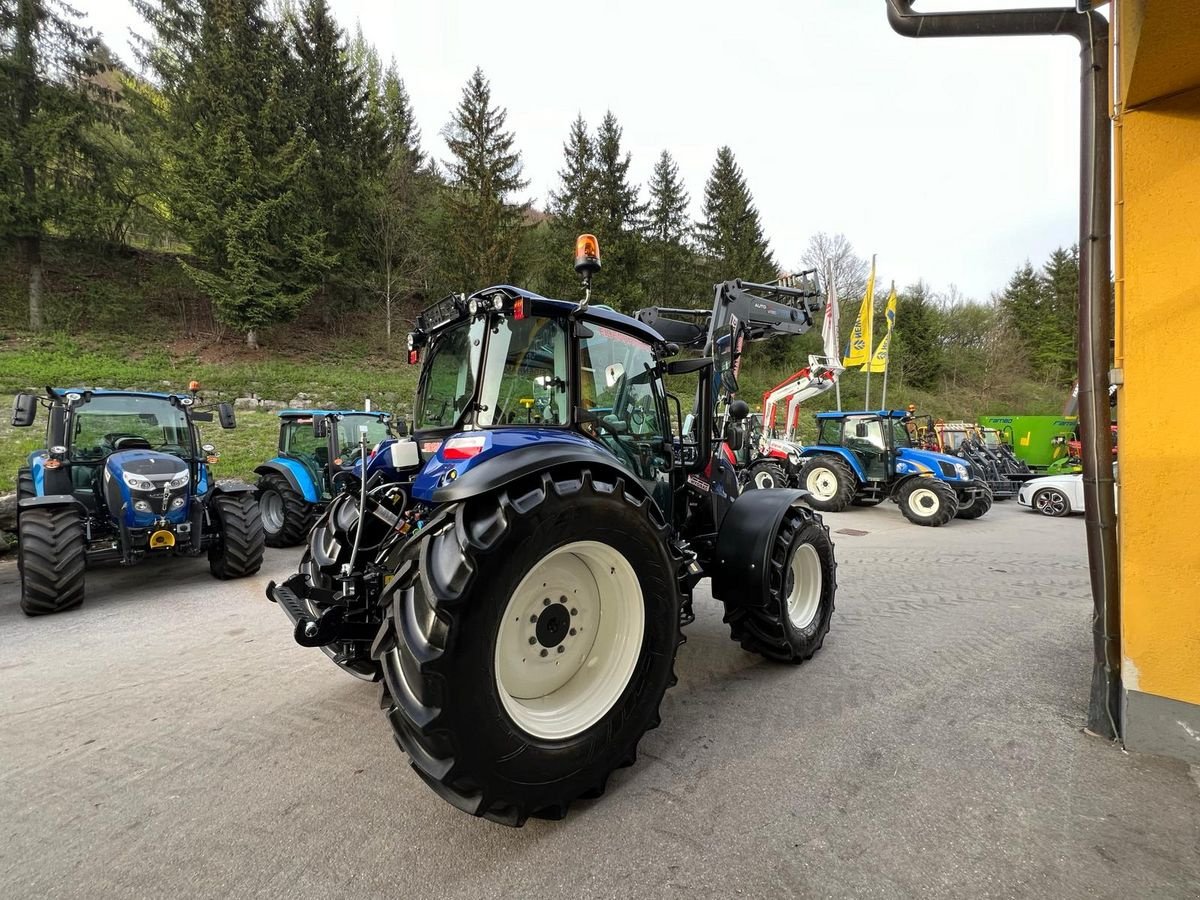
[133, 320]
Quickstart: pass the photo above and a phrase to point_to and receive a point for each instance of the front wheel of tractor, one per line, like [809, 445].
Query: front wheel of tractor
[927, 501]
[51, 555]
[237, 545]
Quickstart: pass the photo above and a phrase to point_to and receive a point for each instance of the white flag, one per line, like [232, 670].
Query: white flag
[829, 328]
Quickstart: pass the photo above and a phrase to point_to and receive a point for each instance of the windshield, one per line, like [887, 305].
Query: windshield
[349, 425]
[106, 424]
[448, 377]
[901, 437]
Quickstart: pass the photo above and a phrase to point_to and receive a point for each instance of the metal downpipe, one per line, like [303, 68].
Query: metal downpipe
[1095, 325]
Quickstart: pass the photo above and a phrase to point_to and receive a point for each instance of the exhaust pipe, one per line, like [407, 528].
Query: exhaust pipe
[1095, 325]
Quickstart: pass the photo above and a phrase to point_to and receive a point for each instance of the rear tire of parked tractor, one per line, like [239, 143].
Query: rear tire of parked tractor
[790, 623]
[1051, 502]
[978, 507]
[766, 475]
[286, 515]
[52, 557]
[830, 483]
[527, 651]
[237, 548]
[927, 501]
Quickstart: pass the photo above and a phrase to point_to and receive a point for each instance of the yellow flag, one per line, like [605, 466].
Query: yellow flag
[858, 349]
[879, 362]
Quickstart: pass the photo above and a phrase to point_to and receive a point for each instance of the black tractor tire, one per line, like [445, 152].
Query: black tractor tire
[446, 630]
[1051, 502]
[838, 477]
[237, 548]
[927, 501]
[792, 624]
[25, 486]
[296, 513]
[765, 475]
[978, 507]
[52, 557]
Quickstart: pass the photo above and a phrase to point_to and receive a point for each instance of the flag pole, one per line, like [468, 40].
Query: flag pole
[870, 328]
[887, 363]
[837, 338]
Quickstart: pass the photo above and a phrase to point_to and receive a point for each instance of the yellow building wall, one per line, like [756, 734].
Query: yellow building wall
[1158, 347]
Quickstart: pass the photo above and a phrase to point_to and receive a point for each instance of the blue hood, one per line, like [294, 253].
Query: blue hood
[910, 461]
[142, 487]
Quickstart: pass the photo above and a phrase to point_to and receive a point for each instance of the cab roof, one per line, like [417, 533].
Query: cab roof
[109, 392]
[882, 413]
[309, 413]
[596, 312]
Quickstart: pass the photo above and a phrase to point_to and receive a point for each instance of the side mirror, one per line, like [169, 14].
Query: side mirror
[738, 410]
[401, 428]
[24, 410]
[320, 427]
[860, 429]
[225, 414]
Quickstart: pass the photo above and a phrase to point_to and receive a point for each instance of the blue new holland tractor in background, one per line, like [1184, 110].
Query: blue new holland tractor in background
[124, 476]
[519, 578]
[867, 457]
[317, 448]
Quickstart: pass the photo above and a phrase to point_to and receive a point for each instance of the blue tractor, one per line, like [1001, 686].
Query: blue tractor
[863, 458]
[519, 577]
[317, 449]
[124, 476]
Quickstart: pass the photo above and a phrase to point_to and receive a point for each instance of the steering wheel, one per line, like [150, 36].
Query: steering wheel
[637, 416]
[120, 441]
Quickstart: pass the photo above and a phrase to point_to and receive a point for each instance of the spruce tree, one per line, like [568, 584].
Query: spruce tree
[401, 132]
[670, 274]
[731, 233]
[917, 344]
[483, 220]
[46, 105]
[1058, 352]
[618, 213]
[574, 204]
[228, 116]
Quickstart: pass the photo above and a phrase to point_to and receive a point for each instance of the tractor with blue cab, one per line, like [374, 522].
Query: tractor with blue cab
[124, 476]
[518, 579]
[318, 448]
[865, 457]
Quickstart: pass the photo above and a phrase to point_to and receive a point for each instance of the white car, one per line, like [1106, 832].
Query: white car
[1056, 495]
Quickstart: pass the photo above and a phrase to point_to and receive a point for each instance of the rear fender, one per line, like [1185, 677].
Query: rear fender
[510, 455]
[744, 543]
[299, 479]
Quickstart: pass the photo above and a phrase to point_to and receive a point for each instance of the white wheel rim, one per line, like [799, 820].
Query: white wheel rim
[764, 480]
[924, 502]
[822, 483]
[552, 693]
[804, 586]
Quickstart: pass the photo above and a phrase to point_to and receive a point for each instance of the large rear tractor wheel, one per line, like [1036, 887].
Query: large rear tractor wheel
[979, 506]
[789, 624]
[286, 515]
[765, 475]
[237, 548]
[830, 483]
[51, 555]
[927, 501]
[526, 653]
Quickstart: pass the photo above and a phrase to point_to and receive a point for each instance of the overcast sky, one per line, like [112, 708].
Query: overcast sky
[953, 160]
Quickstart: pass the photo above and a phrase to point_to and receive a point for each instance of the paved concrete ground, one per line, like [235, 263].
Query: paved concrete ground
[170, 739]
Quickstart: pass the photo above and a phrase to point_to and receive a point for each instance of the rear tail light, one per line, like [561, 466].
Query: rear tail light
[414, 356]
[463, 447]
[519, 309]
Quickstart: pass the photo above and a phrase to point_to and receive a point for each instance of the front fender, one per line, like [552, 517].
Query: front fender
[744, 543]
[233, 486]
[51, 500]
[298, 478]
